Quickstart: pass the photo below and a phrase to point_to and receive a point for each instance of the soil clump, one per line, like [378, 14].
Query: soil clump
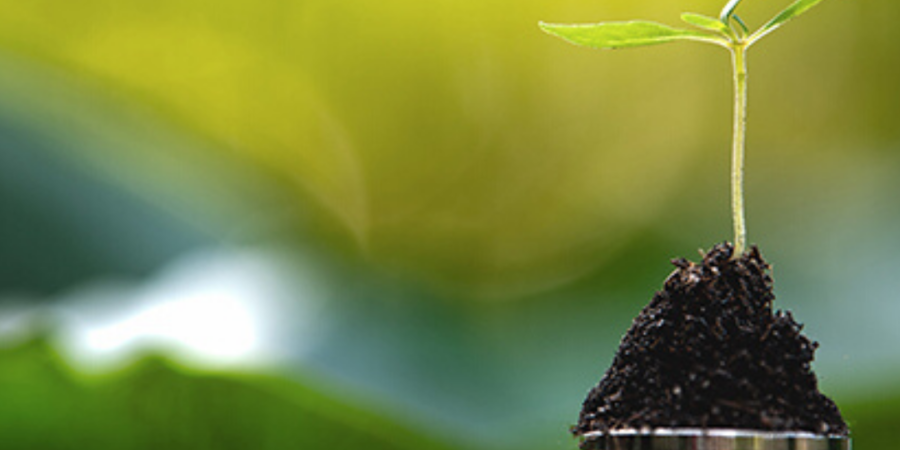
[710, 352]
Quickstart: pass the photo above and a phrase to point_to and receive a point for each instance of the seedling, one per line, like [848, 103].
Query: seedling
[709, 351]
[727, 31]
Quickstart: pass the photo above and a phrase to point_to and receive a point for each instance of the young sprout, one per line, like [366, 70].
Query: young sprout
[728, 31]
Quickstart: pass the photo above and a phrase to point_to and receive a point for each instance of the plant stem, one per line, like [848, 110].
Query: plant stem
[738, 58]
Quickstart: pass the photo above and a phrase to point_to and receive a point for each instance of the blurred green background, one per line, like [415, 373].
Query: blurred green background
[412, 225]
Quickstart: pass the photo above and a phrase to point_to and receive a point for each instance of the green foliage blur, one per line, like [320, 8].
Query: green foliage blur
[466, 212]
[157, 404]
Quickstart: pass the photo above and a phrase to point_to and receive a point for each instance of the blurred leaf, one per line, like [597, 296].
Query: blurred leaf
[613, 35]
[45, 407]
[155, 404]
[873, 423]
[796, 8]
[705, 22]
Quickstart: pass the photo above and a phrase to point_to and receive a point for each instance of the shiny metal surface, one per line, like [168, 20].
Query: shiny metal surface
[711, 439]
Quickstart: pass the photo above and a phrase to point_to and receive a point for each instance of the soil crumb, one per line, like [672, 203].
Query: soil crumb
[709, 352]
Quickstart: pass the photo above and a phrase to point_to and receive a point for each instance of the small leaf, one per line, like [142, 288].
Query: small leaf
[796, 8]
[728, 10]
[612, 35]
[705, 22]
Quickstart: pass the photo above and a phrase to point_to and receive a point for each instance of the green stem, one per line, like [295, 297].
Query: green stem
[739, 53]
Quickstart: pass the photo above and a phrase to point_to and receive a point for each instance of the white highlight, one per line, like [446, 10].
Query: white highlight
[207, 309]
[211, 325]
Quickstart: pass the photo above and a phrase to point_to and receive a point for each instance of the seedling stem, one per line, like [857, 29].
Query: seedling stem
[739, 62]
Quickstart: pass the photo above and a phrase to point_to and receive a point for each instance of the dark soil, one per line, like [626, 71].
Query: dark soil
[708, 352]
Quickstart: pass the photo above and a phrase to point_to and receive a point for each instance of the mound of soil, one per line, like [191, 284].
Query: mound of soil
[709, 352]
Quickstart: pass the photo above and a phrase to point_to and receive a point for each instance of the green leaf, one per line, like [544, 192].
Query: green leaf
[705, 22]
[728, 10]
[796, 8]
[197, 410]
[612, 35]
